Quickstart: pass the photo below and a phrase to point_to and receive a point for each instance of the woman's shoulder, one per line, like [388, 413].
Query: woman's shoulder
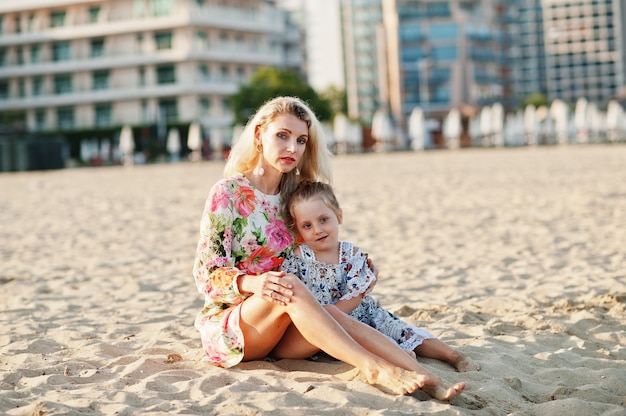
[230, 183]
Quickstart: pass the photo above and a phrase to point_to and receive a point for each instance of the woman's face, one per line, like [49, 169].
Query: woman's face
[284, 142]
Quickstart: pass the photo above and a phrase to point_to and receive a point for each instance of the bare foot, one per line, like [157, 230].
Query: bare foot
[441, 392]
[463, 364]
[394, 380]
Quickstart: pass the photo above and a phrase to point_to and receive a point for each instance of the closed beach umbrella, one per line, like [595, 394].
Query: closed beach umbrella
[417, 129]
[173, 144]
[382, 129]
[194, 137]
[127, 142]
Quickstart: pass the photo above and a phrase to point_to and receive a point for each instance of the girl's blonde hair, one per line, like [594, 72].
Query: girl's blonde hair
[303, 192]
[316, 161]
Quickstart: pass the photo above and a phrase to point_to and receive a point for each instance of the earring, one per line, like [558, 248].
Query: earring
[261, 171]
[297, 171]
[258, 147]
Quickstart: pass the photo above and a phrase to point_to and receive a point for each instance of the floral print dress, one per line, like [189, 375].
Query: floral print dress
[241, 232]
[352, 277]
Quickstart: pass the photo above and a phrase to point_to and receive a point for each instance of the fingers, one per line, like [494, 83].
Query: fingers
[277, 290]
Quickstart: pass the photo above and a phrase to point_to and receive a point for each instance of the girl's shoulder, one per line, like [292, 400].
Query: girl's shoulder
[349, 250]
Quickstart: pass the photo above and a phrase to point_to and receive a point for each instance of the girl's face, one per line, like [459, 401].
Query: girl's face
[284, 142]
[317, 224]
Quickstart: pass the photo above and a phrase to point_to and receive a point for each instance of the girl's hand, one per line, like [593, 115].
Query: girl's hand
[370, 264]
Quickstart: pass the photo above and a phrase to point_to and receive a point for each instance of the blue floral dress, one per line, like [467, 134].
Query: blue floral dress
[349, 278]
[241, 231]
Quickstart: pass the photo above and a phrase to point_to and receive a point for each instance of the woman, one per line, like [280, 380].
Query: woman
[252, 311]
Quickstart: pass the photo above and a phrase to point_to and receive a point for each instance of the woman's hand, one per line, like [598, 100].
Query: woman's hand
[270, 286]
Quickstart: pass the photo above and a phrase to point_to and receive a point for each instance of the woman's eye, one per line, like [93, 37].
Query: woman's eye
[302, 141]
[282, 135]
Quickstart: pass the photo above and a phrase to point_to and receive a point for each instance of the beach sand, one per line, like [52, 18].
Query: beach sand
[517, 257]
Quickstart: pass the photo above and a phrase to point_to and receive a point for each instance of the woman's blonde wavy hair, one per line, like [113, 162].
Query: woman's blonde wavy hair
[316, 160]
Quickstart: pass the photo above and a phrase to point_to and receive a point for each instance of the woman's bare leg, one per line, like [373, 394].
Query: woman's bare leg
[438, 350]
[264, 325]
[378, 344]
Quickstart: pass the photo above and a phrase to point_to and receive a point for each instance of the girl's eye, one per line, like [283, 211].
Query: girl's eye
[323, 219]
[306, 226]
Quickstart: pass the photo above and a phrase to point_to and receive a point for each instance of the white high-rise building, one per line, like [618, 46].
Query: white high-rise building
[88, 65]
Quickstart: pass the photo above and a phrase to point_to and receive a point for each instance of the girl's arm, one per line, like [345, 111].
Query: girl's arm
[348, 305]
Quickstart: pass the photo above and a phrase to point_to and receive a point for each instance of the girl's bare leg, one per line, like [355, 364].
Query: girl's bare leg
[438, 350]
[265, 325]
[378, 344]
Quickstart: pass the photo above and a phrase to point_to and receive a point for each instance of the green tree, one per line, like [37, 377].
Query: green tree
[268, 83]
[338, 99]
[536, 99]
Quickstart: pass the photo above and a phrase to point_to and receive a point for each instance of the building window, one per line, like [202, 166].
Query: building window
[168, 109]
[138, 8]
[94, 12]
[205, 105]
[100, 80]
[65, 117]
[204, 72]
[161, 7]
[224, 72]
[62, 84]
[102, 116]
[37, 86]
[3, 55]
[163, 40]
[18, 25]
[166, 75]
[4, 89]
[444, 53]
[20, 55]
[144, 111]
[57, 19]
[97, 47]
[1, 25]
[61, 51]
[142, 76]
[21, 87]
[439, 31]
[31, 22]
[35, 53]
[40, 119]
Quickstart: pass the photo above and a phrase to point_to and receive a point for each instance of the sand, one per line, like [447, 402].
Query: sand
[517, 257]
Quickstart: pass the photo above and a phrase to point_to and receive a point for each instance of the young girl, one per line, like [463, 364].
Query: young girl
[337, 273]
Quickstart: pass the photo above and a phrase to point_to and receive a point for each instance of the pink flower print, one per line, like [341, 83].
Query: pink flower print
[244, 200]
[219, 199]
[278, 238]
[249, 245]
[267, 207]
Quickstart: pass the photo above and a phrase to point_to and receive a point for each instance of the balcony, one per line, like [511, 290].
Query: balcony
[80, 96]
[266, 21]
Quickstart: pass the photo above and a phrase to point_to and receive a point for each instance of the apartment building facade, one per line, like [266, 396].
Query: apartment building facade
[443, 54]
[68, 65]
[584, 49]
